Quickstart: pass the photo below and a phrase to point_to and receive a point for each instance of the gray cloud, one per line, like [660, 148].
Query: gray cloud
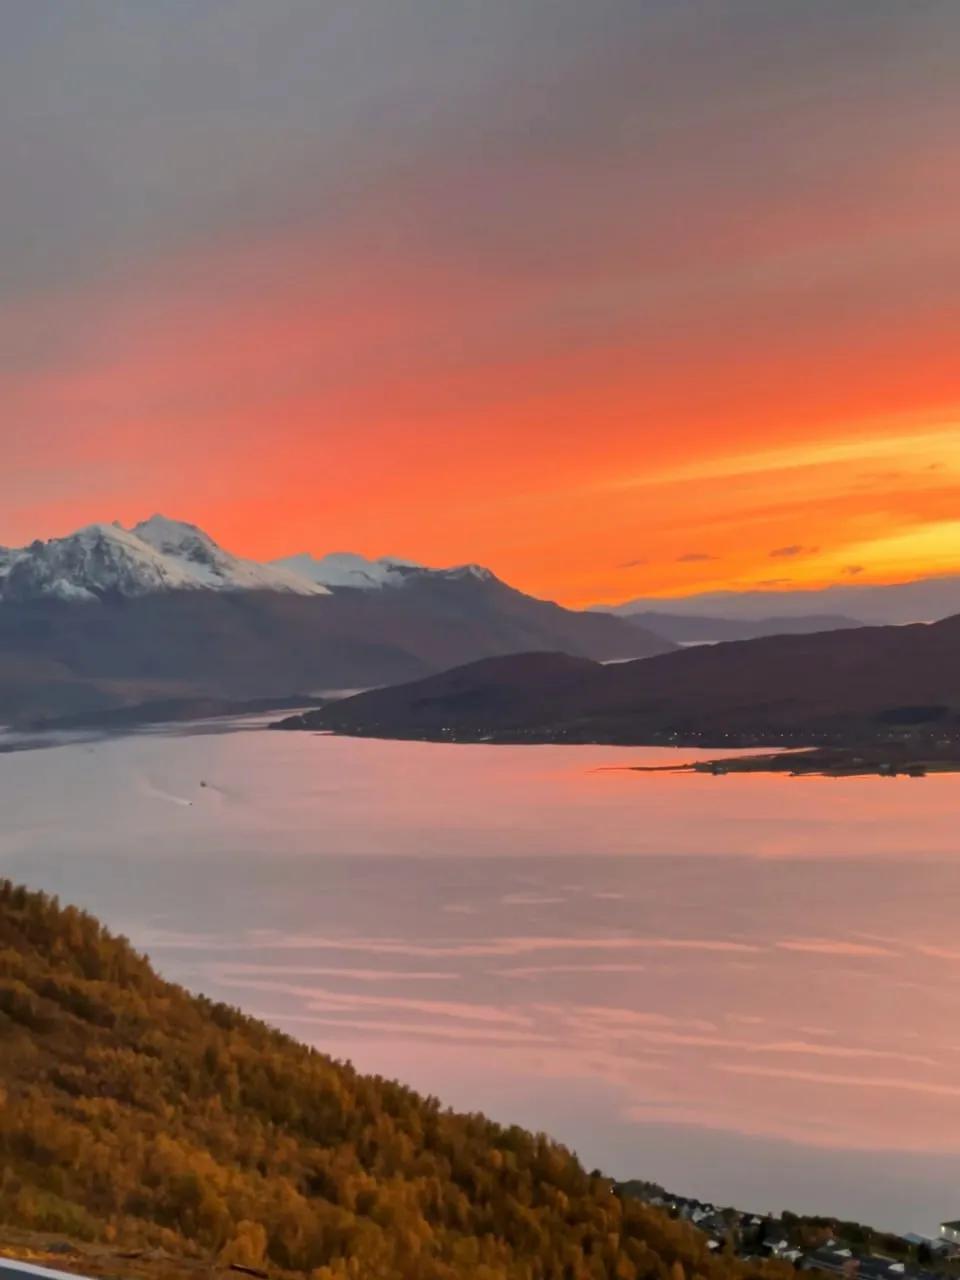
[852, 570]
[795, 549]
[695, 557]
[634, 564]
[111, 111]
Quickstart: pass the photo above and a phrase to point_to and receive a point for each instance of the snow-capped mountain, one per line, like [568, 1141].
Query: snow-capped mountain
[160, 554]
[159, 615]
[156, 555]
[346, 569]
[210, 566]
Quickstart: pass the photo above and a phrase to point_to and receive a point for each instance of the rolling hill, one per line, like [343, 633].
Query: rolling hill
[831, 686]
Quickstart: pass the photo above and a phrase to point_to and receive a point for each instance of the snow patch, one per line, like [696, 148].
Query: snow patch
[347, 569]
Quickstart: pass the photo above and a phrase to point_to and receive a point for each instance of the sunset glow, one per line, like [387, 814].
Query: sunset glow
[479, 632]
[652, 316]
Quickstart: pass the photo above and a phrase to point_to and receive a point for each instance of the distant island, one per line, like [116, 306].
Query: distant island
[910, 757]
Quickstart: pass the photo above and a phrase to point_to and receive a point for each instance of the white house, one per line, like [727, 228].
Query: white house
[950, 1231]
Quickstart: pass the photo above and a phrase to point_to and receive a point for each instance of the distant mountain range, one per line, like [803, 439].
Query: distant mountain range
[839, 686]
[923, 600]
[110, 617]
[696, 629]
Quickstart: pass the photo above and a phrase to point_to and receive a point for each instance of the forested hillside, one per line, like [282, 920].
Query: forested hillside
[136, 1113]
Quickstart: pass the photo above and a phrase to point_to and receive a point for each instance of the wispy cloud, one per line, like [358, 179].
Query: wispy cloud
[885, 441]
[794, 549]
[323, 1000]
[932, 1087]
[416, 1030]
[939, 953]
[228, 971]
[497, 946]
[547, 970]
[834, 947]
[531, 899]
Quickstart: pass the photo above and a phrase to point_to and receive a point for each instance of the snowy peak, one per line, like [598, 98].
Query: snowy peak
[347, 569]
[96, 559]
[469, 571]
[160, 554]
[196, 554]
[156, 555]
[176, 537]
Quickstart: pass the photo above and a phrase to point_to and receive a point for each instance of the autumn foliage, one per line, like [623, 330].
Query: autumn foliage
[136, 1113]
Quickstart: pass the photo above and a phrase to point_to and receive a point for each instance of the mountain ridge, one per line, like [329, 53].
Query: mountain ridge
[839, 686]
[709, 629]
[158, 554]
[927, 599]
[159, 615]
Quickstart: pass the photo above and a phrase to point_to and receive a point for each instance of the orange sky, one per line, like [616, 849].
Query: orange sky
[658, 332]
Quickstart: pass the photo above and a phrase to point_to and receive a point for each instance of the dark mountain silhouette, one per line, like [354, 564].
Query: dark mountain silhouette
[65, 658]
[918, 600]
[831, 686]
[693, 629]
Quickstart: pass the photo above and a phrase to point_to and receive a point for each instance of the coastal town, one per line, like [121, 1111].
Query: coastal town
[815, 1244]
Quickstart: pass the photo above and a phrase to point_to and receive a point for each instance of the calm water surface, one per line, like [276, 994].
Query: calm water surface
[747, 988]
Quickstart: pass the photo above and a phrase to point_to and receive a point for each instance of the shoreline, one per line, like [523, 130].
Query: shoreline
[820, 762]
[913, 756]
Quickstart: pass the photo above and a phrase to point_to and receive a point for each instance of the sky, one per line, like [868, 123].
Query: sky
[640, 297]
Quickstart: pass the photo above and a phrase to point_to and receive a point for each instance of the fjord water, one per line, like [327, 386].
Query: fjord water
[747, 987]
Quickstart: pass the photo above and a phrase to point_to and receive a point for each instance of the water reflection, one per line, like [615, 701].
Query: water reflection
[747, 987]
